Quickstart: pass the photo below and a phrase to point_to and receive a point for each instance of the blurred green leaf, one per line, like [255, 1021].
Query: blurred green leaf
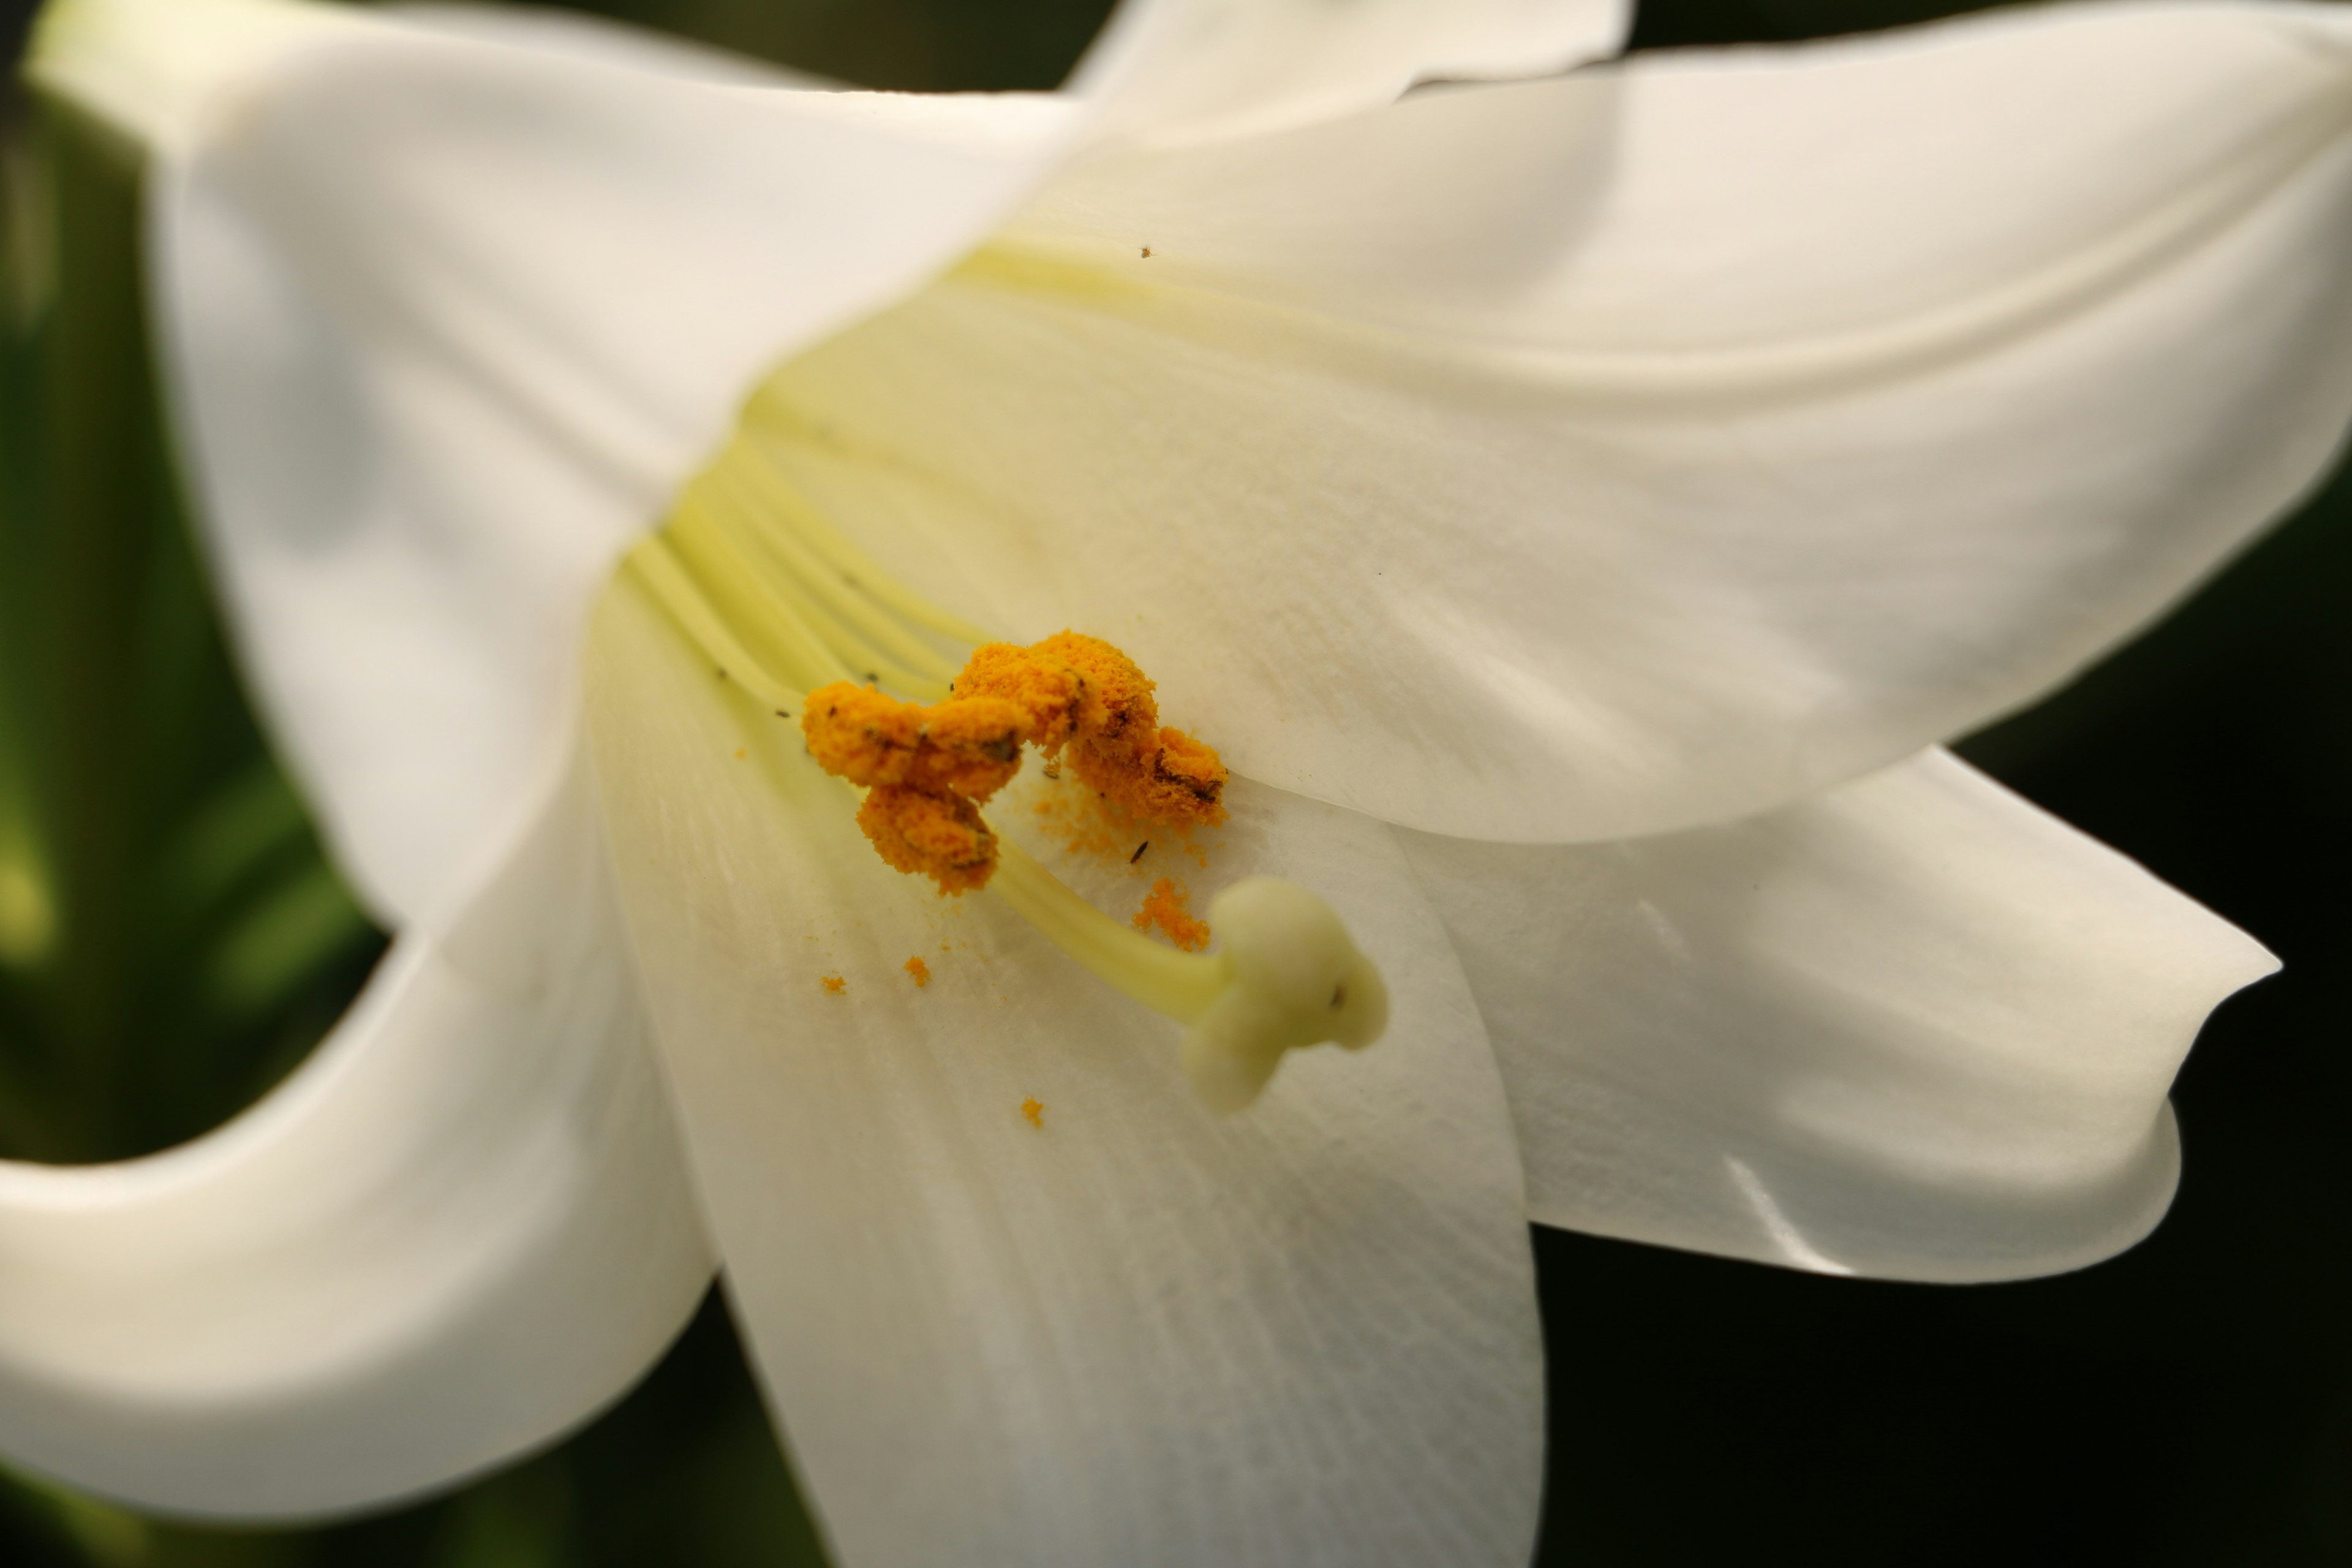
[929, 46]
[28, 904]
[294, 930]
[239, 830]
[91, 1532]
[106, 1535]
[519, 1519]
[172, 938]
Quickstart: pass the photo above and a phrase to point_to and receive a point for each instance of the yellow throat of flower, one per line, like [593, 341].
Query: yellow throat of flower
[791, 611]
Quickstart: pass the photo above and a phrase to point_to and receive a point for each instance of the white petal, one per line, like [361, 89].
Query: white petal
[1186, 70]
[151, 68]
[1136, 1333]
[447, 321]
[461, 1227]
[1912, 1027]
[1591, 457]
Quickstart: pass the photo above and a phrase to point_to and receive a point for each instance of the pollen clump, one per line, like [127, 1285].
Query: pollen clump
[1034, 1110]
[919, 972]
[937, 836]
[1046, 692]
[833, 985]
[1186, 783]
[926, 770]
[1163, 908]
[970, 747]
[1079, 692]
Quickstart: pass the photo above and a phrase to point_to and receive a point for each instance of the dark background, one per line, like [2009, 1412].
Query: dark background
[183, 943]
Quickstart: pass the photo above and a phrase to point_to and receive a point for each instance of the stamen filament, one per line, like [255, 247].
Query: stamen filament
[1180, 985]
[853, 565]
[728, 579]
[842, 596]
[848, 649]
[658, 571]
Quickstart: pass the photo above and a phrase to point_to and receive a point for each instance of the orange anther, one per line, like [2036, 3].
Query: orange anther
[937, 836]
[925, 769]
[966, 747]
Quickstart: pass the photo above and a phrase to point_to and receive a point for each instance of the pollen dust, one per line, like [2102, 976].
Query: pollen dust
[1085, 825]
[1163, 910]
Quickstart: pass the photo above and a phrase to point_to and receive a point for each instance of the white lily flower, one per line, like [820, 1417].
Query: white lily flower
[1573, 502]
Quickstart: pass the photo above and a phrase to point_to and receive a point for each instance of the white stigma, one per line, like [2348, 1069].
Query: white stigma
[1286, 975]
[1295, 979]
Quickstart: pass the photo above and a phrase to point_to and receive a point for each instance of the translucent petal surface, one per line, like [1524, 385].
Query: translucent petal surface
[461, 1227]
[151, 68]
[1912, 1027]
[448, 321]
[1583, 459]
[1177, 70]
[1133, 1333]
